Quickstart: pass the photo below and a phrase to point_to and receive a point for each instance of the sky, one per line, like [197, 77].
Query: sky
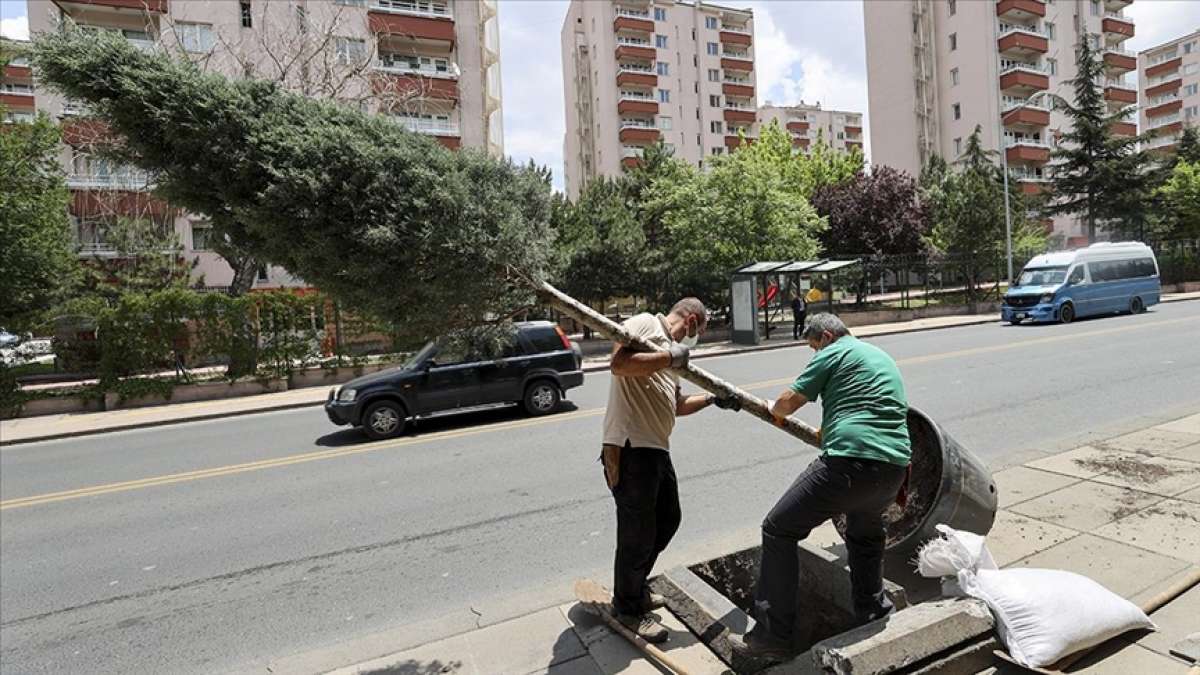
[810, 50]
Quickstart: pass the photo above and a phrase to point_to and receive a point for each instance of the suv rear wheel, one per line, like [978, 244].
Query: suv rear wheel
[541, 397]
[385, 419]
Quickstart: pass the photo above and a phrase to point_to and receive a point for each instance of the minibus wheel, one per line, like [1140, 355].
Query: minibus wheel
[1066, 313]
[1136, 306]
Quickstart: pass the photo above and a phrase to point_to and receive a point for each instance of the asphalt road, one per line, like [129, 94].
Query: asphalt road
[234, 545]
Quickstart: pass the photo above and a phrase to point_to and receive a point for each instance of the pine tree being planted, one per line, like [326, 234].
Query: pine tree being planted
[386, 220]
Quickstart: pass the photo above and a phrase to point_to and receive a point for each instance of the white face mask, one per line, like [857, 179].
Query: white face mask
[690, 341]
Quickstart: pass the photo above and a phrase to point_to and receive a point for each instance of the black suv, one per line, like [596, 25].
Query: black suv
[537, 365]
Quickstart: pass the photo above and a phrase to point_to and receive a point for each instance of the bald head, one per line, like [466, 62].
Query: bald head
[689, 307]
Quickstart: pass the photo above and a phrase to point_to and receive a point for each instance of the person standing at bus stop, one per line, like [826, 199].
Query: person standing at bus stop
[861, 469]
[798, 312]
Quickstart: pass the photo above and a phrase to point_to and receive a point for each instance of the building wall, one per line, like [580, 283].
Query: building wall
[683, 117]
[1169, 84]
[841, 129]
[973, 39]
[457, 101]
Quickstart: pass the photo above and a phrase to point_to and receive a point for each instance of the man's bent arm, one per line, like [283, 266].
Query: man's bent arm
[686, 405]
[788, 402]
[629, 363]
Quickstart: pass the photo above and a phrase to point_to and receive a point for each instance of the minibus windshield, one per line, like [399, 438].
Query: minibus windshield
[1042, 276]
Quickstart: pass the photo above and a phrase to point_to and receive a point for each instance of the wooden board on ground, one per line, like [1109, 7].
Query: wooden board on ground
[598, 601]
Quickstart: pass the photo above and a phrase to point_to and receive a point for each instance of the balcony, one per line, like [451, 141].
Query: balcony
[446, 132]
[635, 52]
[1119, 60]
[1165, 67]
[14, 100]
[124, 180]
[742, 65]
[637, 106]
[739, 114]
[1116, 27]
[1022, 41]
[1020, 10]
[152, 6]
[1117, 5]
[1027, 115]
[637, 133]
[1120, 93]
[733, 141]
[433, 9]
[636, 22]
[851, 144]
[1160, 88]
[386, 18]
[737, 90]
[402, 65]
[631, 156]
[629, 74]
[728, 37]
[18, 72]
[800, 142]
[1165, 108]
[1022, 79]
[798, 127]
[1123, 129]
[853, 131]
[1159, 122]
[1020, 149]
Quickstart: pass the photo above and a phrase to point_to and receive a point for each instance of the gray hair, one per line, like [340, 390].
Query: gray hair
[691, 307]
[816, 324]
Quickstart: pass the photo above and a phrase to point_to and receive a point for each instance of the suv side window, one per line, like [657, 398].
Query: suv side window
[544, 339]
[1076, 275]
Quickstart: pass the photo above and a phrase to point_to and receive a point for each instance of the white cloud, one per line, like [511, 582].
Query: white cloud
[1158, 21]
[16, 27]
[775, 59]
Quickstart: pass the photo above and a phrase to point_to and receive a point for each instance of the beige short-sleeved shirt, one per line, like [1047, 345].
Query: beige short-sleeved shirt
[641, 410]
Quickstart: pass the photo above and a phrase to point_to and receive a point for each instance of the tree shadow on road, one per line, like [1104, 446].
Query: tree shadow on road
[412, 667]
[418, 428]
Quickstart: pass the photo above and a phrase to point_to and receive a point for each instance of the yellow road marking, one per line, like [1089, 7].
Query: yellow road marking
[233, 469]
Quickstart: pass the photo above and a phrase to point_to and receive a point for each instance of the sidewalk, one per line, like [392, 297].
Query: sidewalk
[1124, 511]
[47, 427]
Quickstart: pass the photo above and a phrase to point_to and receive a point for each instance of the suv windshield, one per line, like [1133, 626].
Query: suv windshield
[422, 354]
[1042, 276]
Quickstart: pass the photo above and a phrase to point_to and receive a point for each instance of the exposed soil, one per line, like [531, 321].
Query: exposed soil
[1126, 467]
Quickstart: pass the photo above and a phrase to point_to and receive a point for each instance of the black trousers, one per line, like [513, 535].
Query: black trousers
[861, 489]
[648, 515]
[797, 323]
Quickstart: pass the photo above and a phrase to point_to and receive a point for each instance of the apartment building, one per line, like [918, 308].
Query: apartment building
[1170, 82]
[639, 71]
[432, 65]
[805, 123]
[938, 68]
[16, 88]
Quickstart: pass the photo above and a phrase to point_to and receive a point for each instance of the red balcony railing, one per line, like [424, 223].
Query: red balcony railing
[419, 27]
[1020, 9]
[1164, 67]
[1165, 109]
[731, 38]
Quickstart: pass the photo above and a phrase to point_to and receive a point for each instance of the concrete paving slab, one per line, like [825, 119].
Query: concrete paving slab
[583, 665]
[1014, 536]
[1152, 441]
[1187, 425]
[1160, 475]
[1175, 621]
[614, 654]
[1170, 527]
[1121, 568]
[1086, 505]
[1020, 483]
[1117, 657]
[1189, 453]
[451, 656]
[526, 644]
[1162, 585]
[1190, 496]
[1082, 462]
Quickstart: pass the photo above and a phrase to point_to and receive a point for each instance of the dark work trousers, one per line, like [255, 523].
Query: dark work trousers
[797, 323]
[648, 515]
[859, 488]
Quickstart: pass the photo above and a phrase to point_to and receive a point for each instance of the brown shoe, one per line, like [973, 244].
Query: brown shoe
[760, 650]
[645, 626]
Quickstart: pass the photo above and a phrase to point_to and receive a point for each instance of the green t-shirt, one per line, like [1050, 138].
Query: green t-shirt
[864, 413]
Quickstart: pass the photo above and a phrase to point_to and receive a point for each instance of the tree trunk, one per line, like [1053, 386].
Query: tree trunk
[245, 269]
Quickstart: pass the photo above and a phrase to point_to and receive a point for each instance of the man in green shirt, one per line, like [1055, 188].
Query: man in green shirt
[864, 459]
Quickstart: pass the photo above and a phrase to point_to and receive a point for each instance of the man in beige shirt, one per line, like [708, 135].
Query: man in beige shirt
[643, 401]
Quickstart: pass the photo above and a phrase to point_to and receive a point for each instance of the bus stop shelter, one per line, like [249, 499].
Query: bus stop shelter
[757, 290]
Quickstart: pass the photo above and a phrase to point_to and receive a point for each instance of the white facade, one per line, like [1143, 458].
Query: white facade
[636, 71]
[805, 123]
[1169, 77]
[433, 65]
[938, 68]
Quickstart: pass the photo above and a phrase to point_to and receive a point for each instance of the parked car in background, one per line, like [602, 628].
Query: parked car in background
[535, 368]
[1103, 278]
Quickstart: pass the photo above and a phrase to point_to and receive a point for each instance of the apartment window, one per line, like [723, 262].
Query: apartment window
[957, 108]
[247, 21]
[1191, 68]
[1049, 30]
[1053, 64]
[664, 68]
[1191, 89]
[1095, 7]
[660, 41]
[664, 123]
[953, 41]
[714, 75]
[717, 151]
[664, 96]
[841, 135]
[954, 77]
[710, 22]
[957, 147]
[1187, 48]
[660, 14]
[953, 7]
[716, 127]
[196, 37]
[201, 235]
[713, 49]
[1095, 37]
[1190, 111]
[350, 50]
[262, 274]
[714, 101]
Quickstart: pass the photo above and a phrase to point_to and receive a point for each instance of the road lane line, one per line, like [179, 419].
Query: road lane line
[234, 469]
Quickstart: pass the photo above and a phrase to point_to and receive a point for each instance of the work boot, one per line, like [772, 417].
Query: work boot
[645, 626]
[882, 608]
[757, 649]
[653, 601]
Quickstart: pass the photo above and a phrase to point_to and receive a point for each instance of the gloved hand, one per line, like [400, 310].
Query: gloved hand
[679, 355]
[725, 402]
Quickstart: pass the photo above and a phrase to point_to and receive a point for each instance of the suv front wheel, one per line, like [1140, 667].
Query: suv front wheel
[541, 397]
[385, 419]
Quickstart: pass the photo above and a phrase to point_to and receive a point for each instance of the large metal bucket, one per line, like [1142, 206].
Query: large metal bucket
[948, 485]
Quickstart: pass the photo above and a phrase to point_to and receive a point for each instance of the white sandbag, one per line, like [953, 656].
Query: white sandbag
[953, 552]
[1045, 615]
